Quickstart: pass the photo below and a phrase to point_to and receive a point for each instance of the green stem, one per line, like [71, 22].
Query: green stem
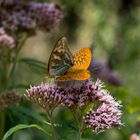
[79, 123]
[80, 130]
[7, 76]
[2, 124]
[14, 63]
[55, 135]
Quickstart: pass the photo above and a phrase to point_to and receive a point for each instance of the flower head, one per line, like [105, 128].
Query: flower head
[105, 115]
[48, 97]
[9, 99]
[7, 2]
[134, 137]
[6, 41]
[46, 15]
[28, 16]
[103, 118]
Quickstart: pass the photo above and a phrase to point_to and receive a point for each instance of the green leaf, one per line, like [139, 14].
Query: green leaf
[29, 113]
[20, 127]
[88, 107]
[35, 63]
[20, 86]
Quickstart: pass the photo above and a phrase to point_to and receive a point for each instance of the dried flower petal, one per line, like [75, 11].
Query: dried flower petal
[9, 99]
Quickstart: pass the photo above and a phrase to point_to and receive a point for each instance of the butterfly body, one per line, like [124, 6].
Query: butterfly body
[63, 65]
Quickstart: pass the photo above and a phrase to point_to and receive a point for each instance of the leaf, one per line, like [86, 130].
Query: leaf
[20, 127]
[88, 107]
[54, 124]
[29, 113]
[133, 104]
[33, 115]
[35, 63]
[20, 86]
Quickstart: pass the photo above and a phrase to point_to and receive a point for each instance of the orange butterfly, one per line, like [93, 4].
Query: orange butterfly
[63, 65]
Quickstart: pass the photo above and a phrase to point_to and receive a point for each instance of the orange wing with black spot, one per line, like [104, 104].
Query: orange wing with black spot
[78, 75]
[81, 63]
[81, 60]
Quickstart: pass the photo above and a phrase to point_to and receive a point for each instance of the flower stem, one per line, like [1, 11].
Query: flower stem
[55, 135]
[14, 63]
[2, 124]
[7, 76]
[79, 123]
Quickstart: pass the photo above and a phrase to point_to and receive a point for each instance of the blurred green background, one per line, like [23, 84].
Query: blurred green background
[111, 28]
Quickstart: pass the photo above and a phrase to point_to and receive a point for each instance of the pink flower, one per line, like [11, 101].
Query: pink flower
[46, 15]
[106, 114]
[48, 97]
[134, 137]
[9, 99]
[6, 41]
[18, 15]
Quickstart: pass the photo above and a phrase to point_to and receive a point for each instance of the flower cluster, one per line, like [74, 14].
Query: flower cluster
[105, 115]
[7, 2]
[28, 16]
[6, 41]
[9, 99]
[134, 137]
[46, 15]
[103, 118]
[48, 97]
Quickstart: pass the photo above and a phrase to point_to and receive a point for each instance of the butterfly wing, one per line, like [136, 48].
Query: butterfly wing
[77, 75]
[82, 60]
[61, 58]
[79, 70]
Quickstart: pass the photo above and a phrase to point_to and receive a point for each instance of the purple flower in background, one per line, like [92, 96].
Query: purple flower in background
[9, 99]
[134, 137]
[6, 41]
[46, 15]
[16, 16]
[27, 16]
[102, 71]
[8, 2]
[18, 21]
[105, 115]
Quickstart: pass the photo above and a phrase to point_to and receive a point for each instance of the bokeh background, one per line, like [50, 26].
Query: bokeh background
[112, 30]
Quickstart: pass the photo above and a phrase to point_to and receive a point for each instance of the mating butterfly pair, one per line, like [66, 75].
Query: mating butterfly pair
[63, 65]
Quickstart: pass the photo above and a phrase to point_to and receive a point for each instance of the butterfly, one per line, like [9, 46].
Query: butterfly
[63, 65]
